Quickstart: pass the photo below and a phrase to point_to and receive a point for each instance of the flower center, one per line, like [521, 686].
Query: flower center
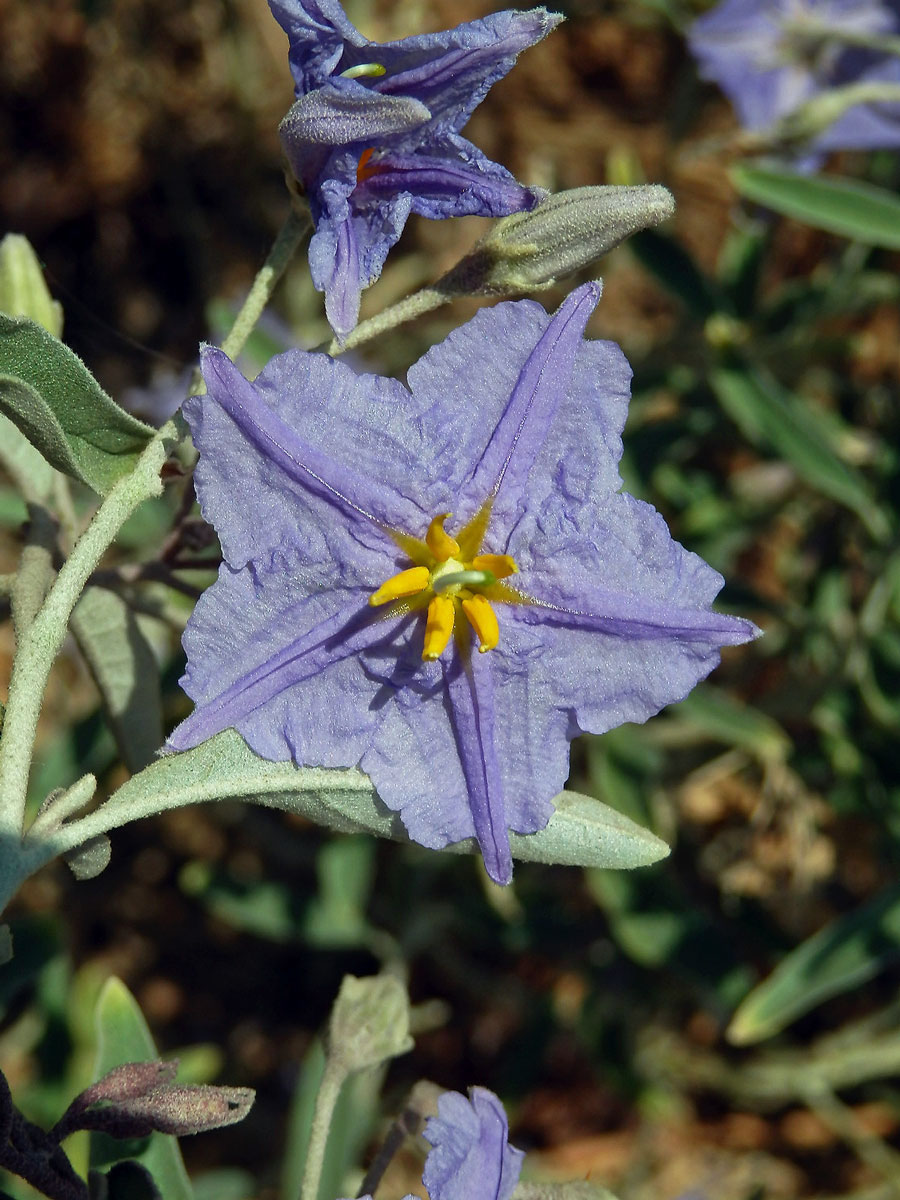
[449, 576]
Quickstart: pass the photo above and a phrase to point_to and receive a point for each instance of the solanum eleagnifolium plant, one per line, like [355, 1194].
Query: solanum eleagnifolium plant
[427, 589]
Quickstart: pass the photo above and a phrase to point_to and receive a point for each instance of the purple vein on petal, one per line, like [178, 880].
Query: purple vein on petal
[470, 691]
[631, 616]
[441, 178]
[272, 437]
[525, 422]
[348, 631]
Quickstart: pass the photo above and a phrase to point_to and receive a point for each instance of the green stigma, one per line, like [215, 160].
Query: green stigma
[363, 70]
[458, 579]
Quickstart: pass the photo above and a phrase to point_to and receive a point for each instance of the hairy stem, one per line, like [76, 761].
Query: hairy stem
[329, 1090]
[286, 244]
[404, 310]
[45, 633]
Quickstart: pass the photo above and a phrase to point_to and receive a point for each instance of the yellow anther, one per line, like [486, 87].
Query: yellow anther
[483, 620]
[499, 565]
[441, 544]
[407, 583]
[438, 627]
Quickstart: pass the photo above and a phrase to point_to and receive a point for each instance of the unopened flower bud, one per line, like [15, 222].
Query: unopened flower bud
[369, 1022]
[566, 232]
[23, 292]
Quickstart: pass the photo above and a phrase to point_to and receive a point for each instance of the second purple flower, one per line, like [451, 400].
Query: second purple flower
[375, 135]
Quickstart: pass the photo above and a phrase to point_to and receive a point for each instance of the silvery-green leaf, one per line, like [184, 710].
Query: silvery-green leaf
[51, 396]
[90, 859]
[125, 671]
[582, 831]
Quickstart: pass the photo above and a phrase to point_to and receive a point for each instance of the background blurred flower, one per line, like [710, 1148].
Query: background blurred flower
[375, 135]
[770, 57]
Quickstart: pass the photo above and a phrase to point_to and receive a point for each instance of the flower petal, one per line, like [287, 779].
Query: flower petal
[447, 187]
[452, 71]
[350, 245]
[522, 429]
[270, 666]
[470, 692]
[471, 1156]
[351, 494]
[319, 33]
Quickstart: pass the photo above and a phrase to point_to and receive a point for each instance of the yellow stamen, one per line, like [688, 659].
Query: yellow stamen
[407, 583]
[438, 627]
[483, 620]
[499, 565]
[471, 536]
[441, 544]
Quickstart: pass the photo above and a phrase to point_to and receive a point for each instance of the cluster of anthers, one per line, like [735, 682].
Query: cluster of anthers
[448, 576]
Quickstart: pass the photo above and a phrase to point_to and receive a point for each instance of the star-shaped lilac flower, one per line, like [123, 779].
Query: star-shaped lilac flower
[348, 626]
[771, 56]
[375, 135]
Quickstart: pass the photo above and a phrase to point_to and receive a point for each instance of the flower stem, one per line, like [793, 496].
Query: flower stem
[879, 43]
[286, 244]
[404, 310]
[333, 1079]
[44, 634]
[289, 238]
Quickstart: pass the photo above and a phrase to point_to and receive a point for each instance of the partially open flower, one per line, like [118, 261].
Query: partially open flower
[375, 135]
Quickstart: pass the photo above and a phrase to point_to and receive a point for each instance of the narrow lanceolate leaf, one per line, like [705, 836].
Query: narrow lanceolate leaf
[771, 417]
[582, 831]
[837, 959]
[123, 1037]
[125, 671]
[48, 392]
[855, 210]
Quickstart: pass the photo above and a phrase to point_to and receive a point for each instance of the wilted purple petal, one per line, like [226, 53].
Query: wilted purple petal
[319, 34]
[470, 1158]
[397, 108]
[462, 64]
[446, 187]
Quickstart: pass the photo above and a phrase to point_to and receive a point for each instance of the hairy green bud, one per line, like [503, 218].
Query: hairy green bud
[566, 232]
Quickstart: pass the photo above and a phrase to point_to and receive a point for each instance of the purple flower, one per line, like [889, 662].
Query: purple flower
[771, 56]
[375, 135]
[470, 1158]
[347, 626]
